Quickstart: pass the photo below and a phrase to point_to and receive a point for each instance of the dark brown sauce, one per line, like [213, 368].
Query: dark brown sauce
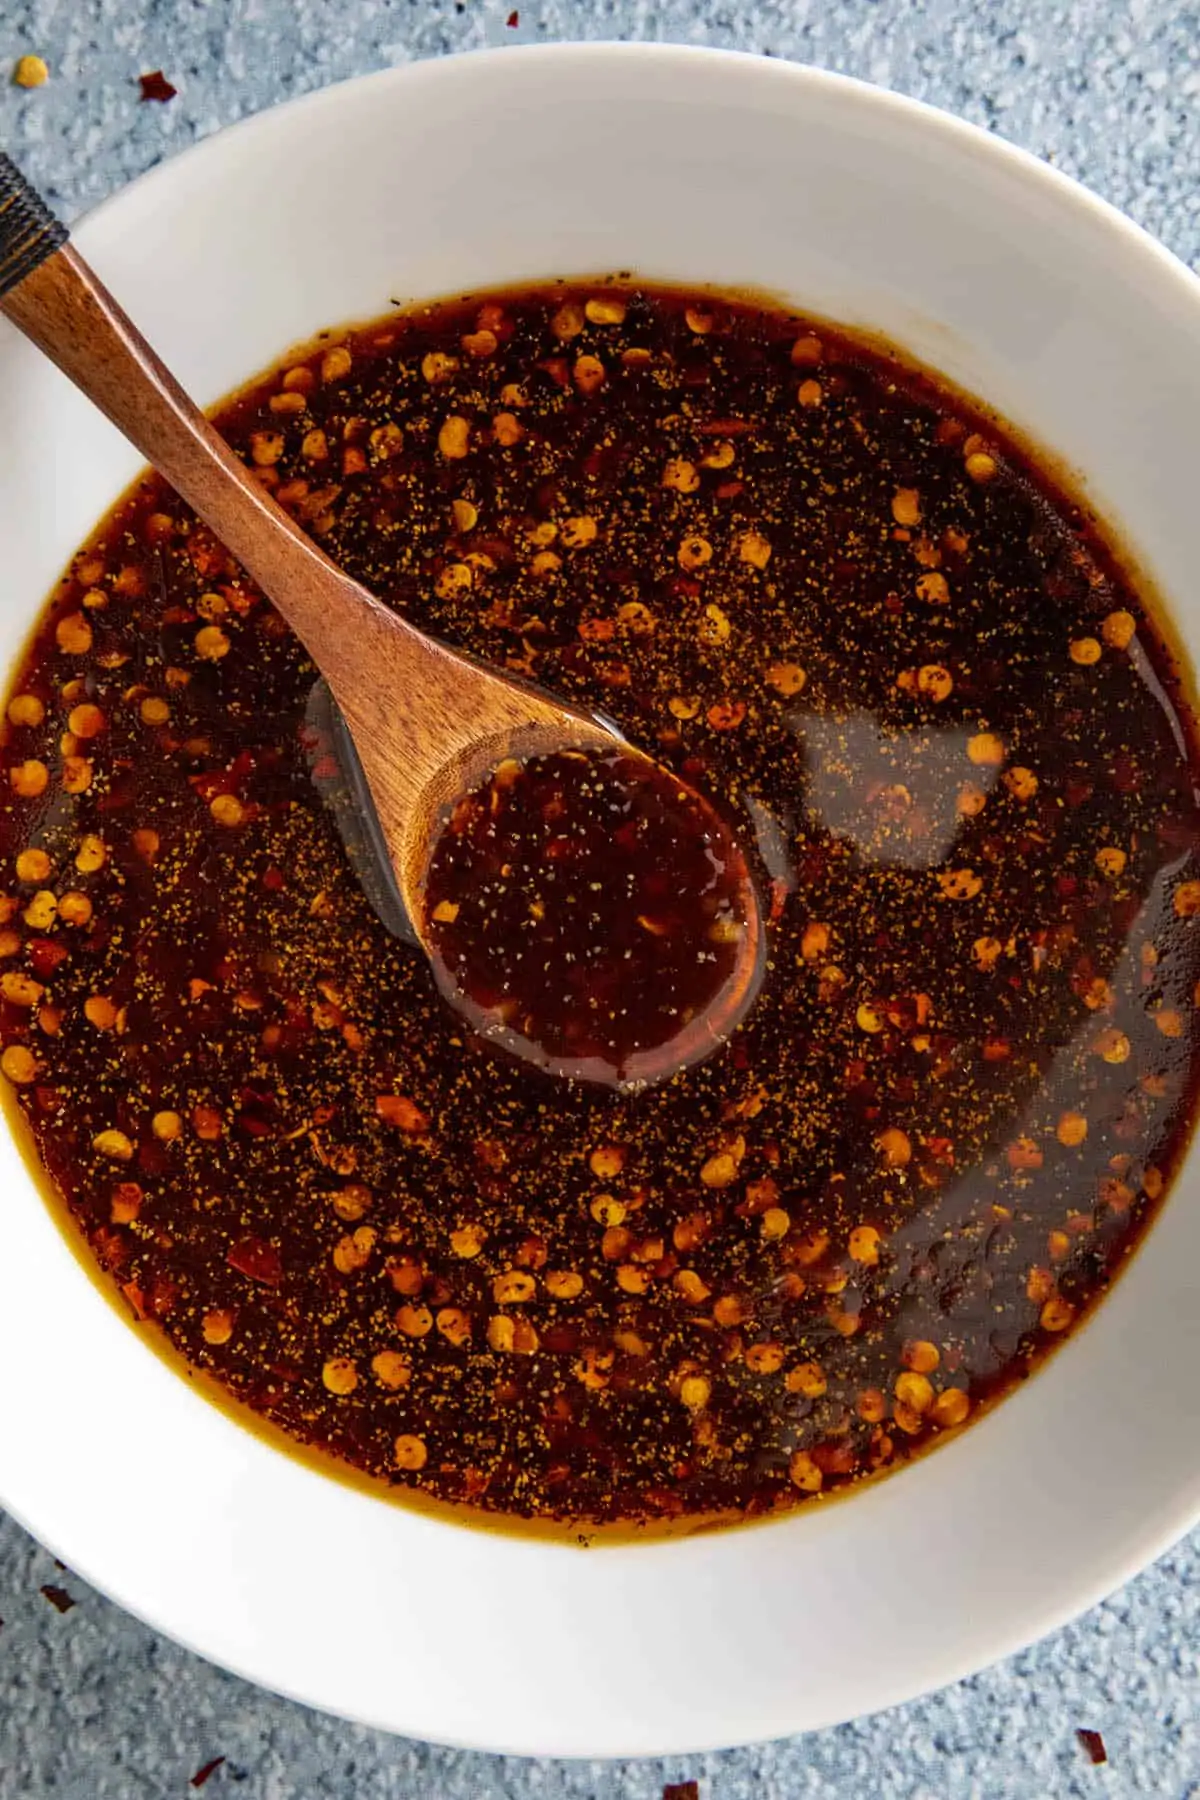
[904, 665]
[586, 911]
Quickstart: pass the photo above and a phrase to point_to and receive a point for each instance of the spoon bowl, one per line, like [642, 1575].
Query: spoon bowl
[339, 775]
[416, 723]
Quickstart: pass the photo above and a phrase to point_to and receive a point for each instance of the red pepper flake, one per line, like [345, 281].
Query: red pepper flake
[160, 1302]
[45, 956]
[513, 20]
[58, 1597]
[112, 1247]
[555, 367]
[210, 1768]
[252, 1127]
[241, 602]
[155, 86]
[1093, 1743]
[396, 1109]
[597, 631]
[257, 1260]
[136, 1298]
[681, 1790]
[214, 782]
[726, 714]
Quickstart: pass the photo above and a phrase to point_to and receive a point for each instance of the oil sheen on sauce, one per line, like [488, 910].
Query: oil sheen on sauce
[903, 666]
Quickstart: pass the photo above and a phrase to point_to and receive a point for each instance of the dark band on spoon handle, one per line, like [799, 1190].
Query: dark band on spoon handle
[29, 231]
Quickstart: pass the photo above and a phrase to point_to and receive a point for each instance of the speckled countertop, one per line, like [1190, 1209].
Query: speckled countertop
[94, 1706]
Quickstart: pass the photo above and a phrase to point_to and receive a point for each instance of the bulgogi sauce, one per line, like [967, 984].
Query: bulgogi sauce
[589, 912]
[902, 664]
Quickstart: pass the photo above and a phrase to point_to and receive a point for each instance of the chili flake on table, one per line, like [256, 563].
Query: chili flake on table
[844, 606]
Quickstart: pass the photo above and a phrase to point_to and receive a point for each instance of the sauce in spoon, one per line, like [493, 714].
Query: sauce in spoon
[594, 915]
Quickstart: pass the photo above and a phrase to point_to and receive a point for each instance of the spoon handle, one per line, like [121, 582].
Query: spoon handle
[56, 300]
[425, 721]
[29, 231]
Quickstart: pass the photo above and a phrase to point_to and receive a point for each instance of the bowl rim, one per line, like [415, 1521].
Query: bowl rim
[1126, 1558]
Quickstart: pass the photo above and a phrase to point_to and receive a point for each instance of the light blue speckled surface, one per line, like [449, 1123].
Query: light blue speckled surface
[94, 1706]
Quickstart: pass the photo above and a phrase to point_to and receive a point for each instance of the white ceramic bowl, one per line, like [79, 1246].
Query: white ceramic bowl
[697, 166]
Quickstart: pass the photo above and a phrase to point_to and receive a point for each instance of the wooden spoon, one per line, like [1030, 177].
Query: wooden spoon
[426, 722]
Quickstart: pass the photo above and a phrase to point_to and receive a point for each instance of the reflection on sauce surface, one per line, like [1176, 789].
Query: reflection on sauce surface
[891, 654]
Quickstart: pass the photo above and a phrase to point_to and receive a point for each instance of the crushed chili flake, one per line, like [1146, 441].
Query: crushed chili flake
[800, 1261]
[155, 86]
[1093, 1743]
[58, 1597]
[513, 20]
[257, 1260]
[681, 1790]
[202, 1775]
